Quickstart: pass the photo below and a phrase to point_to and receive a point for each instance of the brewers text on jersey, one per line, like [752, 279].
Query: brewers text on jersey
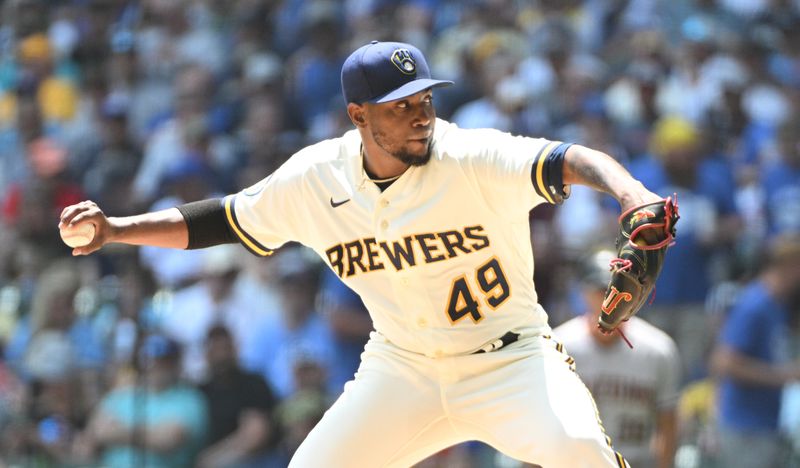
[364, 255]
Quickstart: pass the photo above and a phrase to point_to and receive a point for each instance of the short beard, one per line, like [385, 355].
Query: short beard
[413, 160]
[404, 156]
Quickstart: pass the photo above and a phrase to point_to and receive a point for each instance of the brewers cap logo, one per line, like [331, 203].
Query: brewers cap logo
[402, 59]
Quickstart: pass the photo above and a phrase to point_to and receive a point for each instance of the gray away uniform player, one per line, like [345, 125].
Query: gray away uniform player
[428, 223]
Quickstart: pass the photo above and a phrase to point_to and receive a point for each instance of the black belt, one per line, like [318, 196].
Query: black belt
[505, 340]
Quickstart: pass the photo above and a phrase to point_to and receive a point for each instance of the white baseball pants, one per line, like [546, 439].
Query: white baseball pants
[523, 399]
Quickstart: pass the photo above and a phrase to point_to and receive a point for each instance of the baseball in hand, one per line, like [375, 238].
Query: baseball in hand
[78, 235]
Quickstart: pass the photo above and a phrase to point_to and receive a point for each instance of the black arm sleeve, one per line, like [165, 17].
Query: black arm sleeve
[206, 223]
[553, 188]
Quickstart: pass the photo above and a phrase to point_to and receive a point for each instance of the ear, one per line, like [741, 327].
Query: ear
[357, 114]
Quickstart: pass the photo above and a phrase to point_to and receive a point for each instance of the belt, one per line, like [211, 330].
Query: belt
[505, 340]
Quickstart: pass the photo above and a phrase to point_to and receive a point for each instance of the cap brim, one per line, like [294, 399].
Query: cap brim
[412, 87]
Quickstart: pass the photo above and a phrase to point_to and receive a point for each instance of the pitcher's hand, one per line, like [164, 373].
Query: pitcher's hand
[87, 212]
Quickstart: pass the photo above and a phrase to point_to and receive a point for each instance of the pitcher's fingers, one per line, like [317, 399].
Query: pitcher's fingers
[69, 212]
[85, 215]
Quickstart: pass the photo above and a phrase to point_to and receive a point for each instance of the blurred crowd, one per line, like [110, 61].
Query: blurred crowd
[214, 358]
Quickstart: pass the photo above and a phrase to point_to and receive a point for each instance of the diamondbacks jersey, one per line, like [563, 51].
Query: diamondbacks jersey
[441, 258]
[630, 387]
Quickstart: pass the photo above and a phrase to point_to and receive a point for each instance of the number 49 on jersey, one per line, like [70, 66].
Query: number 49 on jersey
[490, 279]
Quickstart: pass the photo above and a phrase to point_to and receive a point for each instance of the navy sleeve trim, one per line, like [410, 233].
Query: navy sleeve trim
[547, 173]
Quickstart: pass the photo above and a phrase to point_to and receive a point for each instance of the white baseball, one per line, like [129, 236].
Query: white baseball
[78, 235]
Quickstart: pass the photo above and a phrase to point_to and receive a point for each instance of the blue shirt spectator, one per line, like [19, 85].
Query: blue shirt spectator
[277, 347]
[752, 361]
[179, 404]
[160, 423]
[756, 327]
[52, 339]
[314, 68]
[81, 345]
[299, 333]
[351, 325]
[780, 182]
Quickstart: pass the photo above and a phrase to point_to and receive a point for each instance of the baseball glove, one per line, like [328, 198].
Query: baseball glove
[645, 233]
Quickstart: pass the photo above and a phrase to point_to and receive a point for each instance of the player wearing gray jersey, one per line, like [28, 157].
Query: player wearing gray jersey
[428, 223]
[636, 390]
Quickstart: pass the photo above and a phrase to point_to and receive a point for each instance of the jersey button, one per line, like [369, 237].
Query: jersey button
[421, 322]
[384, 224]
[384, 203]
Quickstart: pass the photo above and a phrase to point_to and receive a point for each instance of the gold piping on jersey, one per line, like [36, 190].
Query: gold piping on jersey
[571, 363]
[539, 161]
[620, 461]
[243, 237]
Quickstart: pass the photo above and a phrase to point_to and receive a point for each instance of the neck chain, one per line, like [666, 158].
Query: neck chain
[383, 181]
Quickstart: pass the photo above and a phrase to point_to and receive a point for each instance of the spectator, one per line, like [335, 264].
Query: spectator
[264, 140]
[160, 423]
[35, 72]
[298, 332]
[44, 189]
[350, 323]
[241, 406]
[189, 133]
[780, 181]
[55, 415]
[300, 411]
[13, 402]
[313, 70]
[636, 391]
[24, 126]
[217, 299]
[753, 363]
[631, 98]
[132, 313]
[52, 341]
[114, 162]
[697, 425]
[687, 91]
[499, 95]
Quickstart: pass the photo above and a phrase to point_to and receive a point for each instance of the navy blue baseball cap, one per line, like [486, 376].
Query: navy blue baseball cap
[386, 71]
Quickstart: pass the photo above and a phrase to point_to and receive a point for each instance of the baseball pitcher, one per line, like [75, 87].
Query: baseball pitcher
[428, 223]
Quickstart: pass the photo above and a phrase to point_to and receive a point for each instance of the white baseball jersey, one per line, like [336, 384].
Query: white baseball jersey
[630, 386]
[442, 258]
